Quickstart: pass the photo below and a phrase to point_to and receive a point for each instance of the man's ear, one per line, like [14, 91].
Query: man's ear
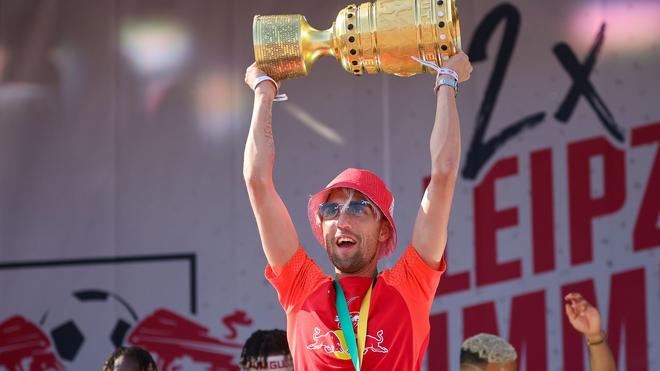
[384, 232]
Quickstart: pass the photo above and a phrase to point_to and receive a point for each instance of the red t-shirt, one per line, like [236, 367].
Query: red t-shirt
[398, 326]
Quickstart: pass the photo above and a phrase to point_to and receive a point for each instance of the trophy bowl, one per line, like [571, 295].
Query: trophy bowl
[371, 37]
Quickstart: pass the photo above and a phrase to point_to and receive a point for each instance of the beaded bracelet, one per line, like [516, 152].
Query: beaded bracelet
[597, 342]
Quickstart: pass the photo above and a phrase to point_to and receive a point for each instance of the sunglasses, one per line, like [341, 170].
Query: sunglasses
[330, 210]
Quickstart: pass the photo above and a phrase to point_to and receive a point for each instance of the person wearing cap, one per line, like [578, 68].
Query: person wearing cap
[486, 352]
[360, 319]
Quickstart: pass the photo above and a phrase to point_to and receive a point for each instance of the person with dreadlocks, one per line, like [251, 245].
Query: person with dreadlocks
[266, 350]
[130, 359]
[359, 318]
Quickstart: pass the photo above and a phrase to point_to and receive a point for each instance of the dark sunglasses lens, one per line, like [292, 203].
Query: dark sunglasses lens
[328, 209]
[357, 208]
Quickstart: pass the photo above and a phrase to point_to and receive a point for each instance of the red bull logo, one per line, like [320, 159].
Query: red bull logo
[25, 345]
[169, 337]
[375, 344]
[333, 342]
[237, 318]
[330, 342]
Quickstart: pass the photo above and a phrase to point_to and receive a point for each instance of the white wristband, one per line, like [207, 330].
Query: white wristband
[447, 71]
[453, 82]
[439, 70]
[278, 97]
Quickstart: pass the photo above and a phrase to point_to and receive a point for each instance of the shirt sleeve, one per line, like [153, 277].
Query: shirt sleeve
[414, 279]
[298, 278]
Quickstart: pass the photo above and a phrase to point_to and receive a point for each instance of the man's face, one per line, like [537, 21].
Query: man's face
[352, 241]
[508, 366]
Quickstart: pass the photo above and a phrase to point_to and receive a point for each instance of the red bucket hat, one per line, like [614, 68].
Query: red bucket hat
[365, 182]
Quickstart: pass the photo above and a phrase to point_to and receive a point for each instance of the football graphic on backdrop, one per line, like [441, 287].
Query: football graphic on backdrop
[92, 320]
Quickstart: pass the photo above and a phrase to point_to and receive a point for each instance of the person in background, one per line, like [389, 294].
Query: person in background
[266, 350]
[486, 352]
[130, 359]
[585, 319]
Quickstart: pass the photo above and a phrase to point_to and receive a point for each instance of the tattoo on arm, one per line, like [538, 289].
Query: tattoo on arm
[268, 131]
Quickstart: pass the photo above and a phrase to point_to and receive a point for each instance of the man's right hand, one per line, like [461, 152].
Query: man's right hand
[278, 235]
[583, 316]
[252, 74]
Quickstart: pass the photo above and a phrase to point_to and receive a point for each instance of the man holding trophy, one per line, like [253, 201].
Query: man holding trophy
[360, 319]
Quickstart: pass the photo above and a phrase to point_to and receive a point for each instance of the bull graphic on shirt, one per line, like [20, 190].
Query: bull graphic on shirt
[375, 344]
[333, 342]
[330, 342]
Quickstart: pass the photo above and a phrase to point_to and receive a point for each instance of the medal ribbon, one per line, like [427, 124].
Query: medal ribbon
[355, 348]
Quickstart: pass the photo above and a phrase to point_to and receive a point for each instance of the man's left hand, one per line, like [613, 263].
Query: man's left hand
[460, 63]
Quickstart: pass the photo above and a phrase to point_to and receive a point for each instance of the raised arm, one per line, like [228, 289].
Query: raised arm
[430, 230]
[585, 319]
[278, 235]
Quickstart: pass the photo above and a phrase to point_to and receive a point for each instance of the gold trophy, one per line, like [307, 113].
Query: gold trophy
[372, 37]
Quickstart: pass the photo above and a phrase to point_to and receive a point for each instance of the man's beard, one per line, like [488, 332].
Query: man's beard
[348, 264]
